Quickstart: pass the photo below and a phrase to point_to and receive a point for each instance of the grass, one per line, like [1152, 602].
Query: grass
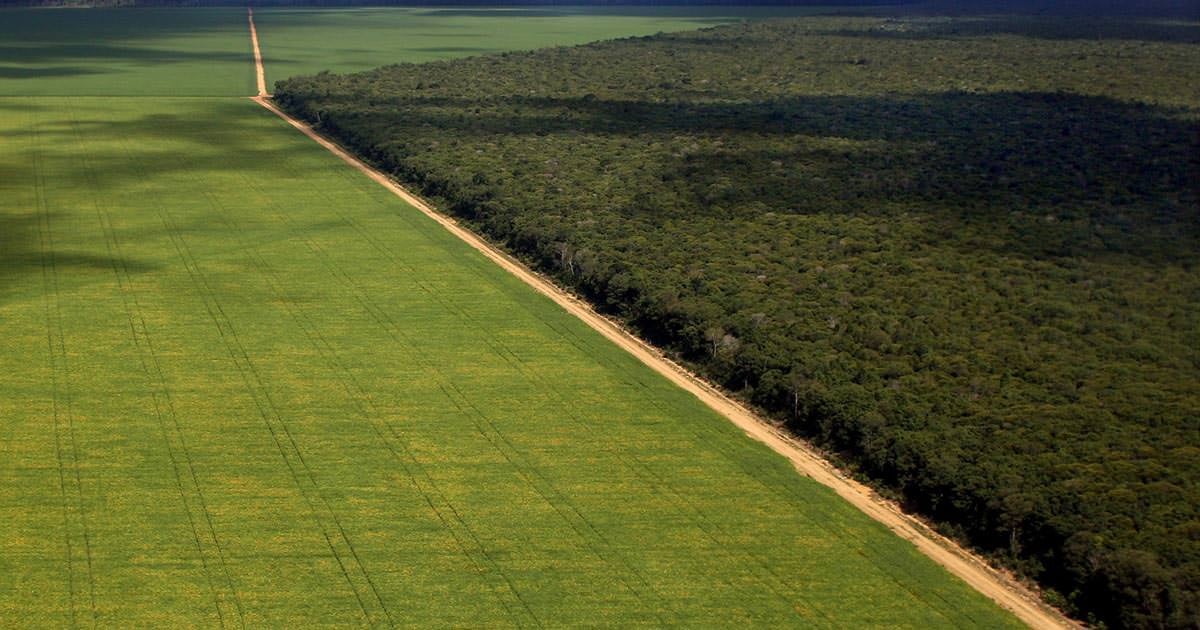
[122, 52]
[246, 386]
[247, 382]
[205, 52]
[307, 41]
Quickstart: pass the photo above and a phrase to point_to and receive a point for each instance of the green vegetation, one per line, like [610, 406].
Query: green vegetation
[960, 253]
[246, 386]
[120, 52]
[310, 40]
[205, 52]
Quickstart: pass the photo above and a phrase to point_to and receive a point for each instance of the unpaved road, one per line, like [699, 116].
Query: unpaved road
[260, 74]
[1002, 589]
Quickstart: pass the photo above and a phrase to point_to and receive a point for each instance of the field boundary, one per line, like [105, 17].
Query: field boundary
[1001, 588]
[967, 566]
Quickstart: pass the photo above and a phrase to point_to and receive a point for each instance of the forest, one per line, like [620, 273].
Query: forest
[958, 255]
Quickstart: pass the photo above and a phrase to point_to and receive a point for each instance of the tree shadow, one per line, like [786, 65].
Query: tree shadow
[127, 152]
[22, 254]
[48, 53]
[40, 44]
[181, 140]
[115, 24]
[18, 72]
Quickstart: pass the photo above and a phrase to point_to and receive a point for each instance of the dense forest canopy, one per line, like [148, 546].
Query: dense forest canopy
[961, 254]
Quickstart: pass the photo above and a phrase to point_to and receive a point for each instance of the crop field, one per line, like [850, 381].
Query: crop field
[245, 386]
[122, 52]
[307, 40]
[205, 52]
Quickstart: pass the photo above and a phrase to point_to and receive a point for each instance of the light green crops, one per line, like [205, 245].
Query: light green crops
[244, 385]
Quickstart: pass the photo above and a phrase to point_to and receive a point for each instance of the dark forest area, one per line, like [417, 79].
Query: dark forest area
[960, 255]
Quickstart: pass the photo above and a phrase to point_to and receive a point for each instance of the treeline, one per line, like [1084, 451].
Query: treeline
[964, 261]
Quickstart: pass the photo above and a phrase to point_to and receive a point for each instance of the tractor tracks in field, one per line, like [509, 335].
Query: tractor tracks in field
[1001, 588]
[329, 525]
[187, 480]
[66, 447]
[466, 539]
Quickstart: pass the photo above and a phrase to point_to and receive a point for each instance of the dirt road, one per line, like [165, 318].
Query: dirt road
[970, 568]
[260, 74]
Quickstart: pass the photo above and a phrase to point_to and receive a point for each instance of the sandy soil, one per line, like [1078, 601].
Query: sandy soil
[998, 586]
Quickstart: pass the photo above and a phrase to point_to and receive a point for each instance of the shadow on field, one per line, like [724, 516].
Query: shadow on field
[128, 158]
[34, 26]
[22, 258]
[17, 72]
[1076, 174]
[67, 44]
[56, 53]
[210, 135]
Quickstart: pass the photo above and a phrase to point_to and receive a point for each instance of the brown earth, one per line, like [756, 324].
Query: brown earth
[260, 75]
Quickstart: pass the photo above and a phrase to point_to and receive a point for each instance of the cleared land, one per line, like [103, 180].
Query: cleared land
[306, 41]
[205, 52]
[122, 52]
[247, 384]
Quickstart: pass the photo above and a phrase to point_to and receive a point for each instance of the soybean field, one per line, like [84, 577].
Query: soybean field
[246, 386]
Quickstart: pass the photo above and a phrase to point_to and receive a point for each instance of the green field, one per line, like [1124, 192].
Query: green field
[123, 52]
[246, 386]
[205, 52]
[307, 41]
